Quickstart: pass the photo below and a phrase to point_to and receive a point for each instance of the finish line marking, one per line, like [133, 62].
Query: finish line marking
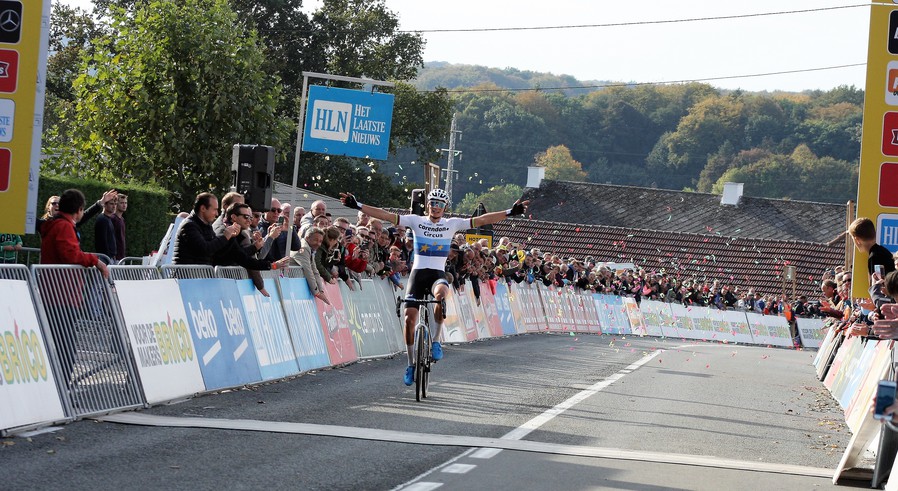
[510, 441]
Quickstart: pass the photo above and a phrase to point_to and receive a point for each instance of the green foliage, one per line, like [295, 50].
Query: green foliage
[146, 220]
[801, 175]
[167, 94]
[437, 74]
[494, 199]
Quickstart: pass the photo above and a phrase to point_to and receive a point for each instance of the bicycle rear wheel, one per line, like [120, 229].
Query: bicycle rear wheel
[420, 357]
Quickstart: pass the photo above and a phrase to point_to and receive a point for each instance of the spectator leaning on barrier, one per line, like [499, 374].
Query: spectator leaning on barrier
[104, 230]
[304, 257]
[10, 245]
[327, 256]
[239, 248]
[196, 242]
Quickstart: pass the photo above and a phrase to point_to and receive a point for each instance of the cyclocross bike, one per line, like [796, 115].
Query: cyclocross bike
[422, 343]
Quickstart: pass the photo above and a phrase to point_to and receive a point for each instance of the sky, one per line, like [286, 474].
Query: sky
[649, 51]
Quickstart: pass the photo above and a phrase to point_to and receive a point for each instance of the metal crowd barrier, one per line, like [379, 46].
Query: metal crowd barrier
[131, 261]
[232, 272]
[134, 273]
[188, 271]
[97, 370]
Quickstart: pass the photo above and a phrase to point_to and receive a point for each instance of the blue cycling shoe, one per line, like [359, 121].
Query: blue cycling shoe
[437, 351]
[409, 378]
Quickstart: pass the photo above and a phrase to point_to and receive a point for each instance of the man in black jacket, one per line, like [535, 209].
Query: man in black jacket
[196, 242]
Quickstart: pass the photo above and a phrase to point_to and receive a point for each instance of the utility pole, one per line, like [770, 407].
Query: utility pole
[452, 152]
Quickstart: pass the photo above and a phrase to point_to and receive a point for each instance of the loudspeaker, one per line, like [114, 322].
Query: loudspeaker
[418, 202]
[252, 170]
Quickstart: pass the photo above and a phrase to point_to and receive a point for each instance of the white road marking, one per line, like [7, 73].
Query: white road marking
[458, 468]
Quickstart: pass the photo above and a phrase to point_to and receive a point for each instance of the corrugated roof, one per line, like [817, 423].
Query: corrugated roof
[678, 211]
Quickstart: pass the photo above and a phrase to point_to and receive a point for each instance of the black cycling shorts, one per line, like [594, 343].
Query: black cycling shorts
[420, 282]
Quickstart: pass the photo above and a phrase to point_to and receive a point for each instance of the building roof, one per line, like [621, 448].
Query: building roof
[678, 211]
[743, 262]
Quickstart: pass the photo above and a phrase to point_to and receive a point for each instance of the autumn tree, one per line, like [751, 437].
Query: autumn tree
[559, 164]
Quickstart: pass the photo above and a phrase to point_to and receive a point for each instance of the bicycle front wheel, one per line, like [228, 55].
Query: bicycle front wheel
[421, 357]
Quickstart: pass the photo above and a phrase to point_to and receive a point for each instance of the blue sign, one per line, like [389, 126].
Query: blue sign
[888, 232]
[503, 306]
[218, 326]
[354, 123]
[274, 350]
[303, 323]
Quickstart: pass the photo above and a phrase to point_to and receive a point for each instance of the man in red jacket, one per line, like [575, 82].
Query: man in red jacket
[59, 241]
[63, 294]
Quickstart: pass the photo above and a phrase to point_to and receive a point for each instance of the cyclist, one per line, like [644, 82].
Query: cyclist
[432, 238]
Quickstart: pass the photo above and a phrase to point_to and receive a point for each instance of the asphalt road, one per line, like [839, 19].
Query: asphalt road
[571, 412]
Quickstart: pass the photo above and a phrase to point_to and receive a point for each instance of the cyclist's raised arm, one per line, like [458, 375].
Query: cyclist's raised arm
[350, 201]
[518, 208]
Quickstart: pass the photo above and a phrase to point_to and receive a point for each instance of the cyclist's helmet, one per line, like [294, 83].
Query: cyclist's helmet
[438, 194]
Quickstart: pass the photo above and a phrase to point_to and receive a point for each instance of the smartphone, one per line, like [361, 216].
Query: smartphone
[281, 219]
[885, 397]
[877, 269]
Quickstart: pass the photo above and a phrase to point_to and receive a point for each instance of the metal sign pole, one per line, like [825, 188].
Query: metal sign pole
[301, 128]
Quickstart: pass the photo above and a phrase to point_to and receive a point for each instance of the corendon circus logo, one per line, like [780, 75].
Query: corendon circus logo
[162, 343]
[22, 357]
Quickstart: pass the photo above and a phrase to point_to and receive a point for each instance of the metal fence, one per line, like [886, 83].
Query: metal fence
[134, 273]
[97, 371]
[131, 261]
[232, 272]
[188, 271]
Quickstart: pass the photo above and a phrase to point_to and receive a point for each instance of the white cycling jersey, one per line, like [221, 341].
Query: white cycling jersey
[432, 240]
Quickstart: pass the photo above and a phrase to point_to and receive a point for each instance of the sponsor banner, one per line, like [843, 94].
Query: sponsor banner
[811, 331]
[518, 307]
[848, 350]
[490, 311]
[303, 324]
[268, 327]
[702, 323]
[504, 309]
[335, 326]
[28, 392]
[737, 326]
[682, 324]
[720, 328]
[386, 301]
[476, 307]
[612, 316]
[366, 320]
[453, 327]
[858, 408]
[656, 315]
[550, 299]
[469, 324]
[223, 344]
[634, 315]
[354, 123]
[592, 315]
[855, 372]
[770, 330]
[160, 337]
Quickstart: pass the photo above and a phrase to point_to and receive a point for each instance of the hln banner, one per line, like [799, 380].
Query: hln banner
[24, 34]
[877, 193]
[353, 123]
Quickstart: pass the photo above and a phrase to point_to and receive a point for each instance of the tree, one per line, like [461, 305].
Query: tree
[494, 199]
[559, 164]
[167, 94]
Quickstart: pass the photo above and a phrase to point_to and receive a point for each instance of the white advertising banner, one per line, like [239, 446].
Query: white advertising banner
[657, 316]
[637, 321]
[770, 330]
[28, 392]
[682, 326]
[738, 326]
[160, 339]
[811, 332]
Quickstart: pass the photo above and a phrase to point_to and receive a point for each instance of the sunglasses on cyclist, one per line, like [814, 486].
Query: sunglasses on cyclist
[437, 204]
